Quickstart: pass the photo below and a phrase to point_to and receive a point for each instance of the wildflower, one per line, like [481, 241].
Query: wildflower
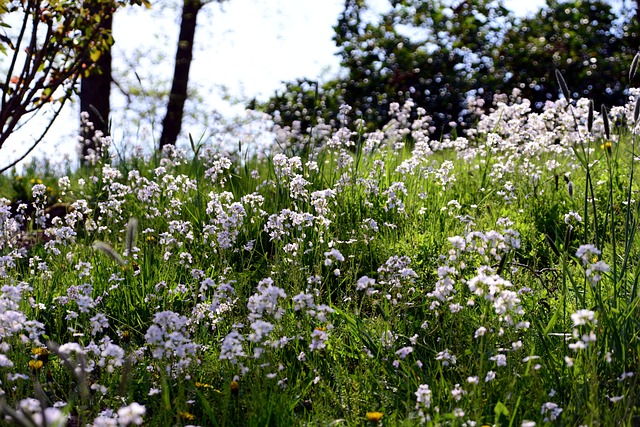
[423, 402]
[586, 252]
[404, 352]
[606, 146]
[374, 417]
[572, 219]
[186, 415]
[131, 414]
[41, 353]
[235, 387]
[203, 385]
[35, 365]
[457, 392]
[551, 411]
[584, 317]
[446, 358]
[490, 376]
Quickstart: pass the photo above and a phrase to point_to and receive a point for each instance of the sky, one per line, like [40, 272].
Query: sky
[248, 46]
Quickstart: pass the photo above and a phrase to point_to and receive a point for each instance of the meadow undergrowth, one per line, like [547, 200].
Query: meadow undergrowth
[388, 278]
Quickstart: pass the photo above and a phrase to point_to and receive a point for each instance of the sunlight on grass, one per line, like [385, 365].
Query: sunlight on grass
[345, 278]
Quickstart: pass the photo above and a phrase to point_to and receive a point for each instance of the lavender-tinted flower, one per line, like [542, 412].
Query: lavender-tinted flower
[319, 338]
[446, 358]
[231, 348]
[131, 414]
[551, 411]
[168, 338]
[586, 253]
[404, 352]
[265, 300]
[423, 402]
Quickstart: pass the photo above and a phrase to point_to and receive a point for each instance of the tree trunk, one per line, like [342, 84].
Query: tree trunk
[95, 90]
[173, 120]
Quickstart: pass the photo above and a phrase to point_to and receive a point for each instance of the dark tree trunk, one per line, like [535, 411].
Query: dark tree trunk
[95, 89]
[173, 120]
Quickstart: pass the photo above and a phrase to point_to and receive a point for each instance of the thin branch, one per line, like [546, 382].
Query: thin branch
[37, 141]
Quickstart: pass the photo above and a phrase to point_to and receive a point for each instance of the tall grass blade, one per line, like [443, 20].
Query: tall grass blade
[605, 119]
[590, 117]
[636, 111]
[634, 66]
[563, 86]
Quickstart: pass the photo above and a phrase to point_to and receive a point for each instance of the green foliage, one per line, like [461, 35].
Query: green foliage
[63, 40]
[441, 53]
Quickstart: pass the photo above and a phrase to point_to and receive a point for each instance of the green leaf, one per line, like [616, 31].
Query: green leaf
[500, 409]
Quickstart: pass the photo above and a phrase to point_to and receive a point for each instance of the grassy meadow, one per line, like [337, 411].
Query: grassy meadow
[344, 279]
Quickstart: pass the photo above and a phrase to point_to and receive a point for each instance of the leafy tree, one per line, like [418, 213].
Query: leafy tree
[583, 39]
[440, 53]
[95, 87]
[436, 52]
[46, 47]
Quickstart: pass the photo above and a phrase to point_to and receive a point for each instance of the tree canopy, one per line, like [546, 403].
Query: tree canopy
[442, 53]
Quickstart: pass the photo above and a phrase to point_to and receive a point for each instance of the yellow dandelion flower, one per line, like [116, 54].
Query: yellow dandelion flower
[41, 353]
[186, 415]
[374, 416]
[606, 146]
[35, 364]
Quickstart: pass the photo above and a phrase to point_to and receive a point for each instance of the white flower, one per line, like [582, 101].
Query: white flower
[490, 376]
[131, 414]
[404, 352]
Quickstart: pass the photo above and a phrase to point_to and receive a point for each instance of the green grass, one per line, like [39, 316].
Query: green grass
[223, 244]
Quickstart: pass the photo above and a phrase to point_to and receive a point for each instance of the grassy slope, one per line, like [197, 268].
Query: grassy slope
[272, 253]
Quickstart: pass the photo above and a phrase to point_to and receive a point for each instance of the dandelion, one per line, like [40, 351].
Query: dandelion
[35, 365]
[374, 417]
[41, 353]
[186, 416]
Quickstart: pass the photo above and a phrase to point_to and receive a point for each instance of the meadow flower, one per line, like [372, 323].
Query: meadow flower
[131, 414]
[234, 386]
[423, 402]
[186, 415]
[374, 417]
[457, 392]
[35, 365]
[586, 253]
[319, 339]
[551, 411]
[404, 352]
[500, 359]
[231, 348]
[446, 358]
